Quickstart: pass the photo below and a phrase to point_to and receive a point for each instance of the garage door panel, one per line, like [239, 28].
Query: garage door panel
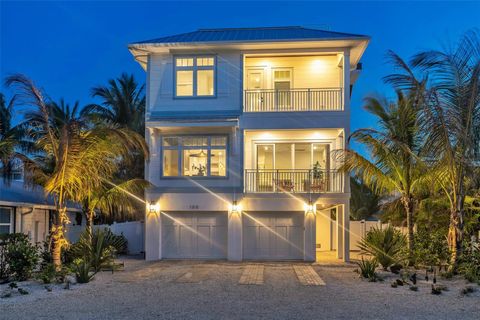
[194, 235]
[273, 235]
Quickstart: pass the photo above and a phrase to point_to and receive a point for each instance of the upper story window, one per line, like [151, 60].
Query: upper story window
[195, 76]
[194, 156]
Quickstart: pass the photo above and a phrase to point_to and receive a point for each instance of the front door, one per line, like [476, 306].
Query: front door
[282, 83]
[255, 95]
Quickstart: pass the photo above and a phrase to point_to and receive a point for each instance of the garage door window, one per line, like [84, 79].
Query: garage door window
[6, 220]
[194, 156]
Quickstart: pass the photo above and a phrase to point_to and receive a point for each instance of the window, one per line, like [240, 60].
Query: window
[5, 220]
[293, 156]
[195, 77]
[194, 156]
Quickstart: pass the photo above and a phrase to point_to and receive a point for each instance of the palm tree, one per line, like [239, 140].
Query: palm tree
[451, 123]
[394, 167]
[12, 139]
[364, 202]
[124, 196]
[123, 103]
[73, 157]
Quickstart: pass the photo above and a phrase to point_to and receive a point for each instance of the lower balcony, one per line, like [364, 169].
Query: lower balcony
[293, 181]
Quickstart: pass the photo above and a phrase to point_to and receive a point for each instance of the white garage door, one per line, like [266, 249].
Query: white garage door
[273, 235]
[199, 235]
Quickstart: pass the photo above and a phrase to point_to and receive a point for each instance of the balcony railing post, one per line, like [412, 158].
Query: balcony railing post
[309, 100]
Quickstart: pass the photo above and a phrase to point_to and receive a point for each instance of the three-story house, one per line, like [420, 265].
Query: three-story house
[243, 124]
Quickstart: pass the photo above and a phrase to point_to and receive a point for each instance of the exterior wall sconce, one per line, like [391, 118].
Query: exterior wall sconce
[153, 207]
[235, 207]
[310, 207]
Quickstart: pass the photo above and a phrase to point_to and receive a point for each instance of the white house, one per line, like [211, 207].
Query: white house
[241, 125]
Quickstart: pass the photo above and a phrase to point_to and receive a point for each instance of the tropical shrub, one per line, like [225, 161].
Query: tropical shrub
[98, 248]
[431, 247]
[47, 273]
[367, 269]
[22, 256]
[470, 262]
[385, 245]
[82, 269]
[4, 271]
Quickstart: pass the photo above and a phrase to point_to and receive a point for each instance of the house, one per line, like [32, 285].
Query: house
[242, 124]
[28, 210]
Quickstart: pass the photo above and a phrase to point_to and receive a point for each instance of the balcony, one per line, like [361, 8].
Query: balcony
[293, 181]
[270, 100]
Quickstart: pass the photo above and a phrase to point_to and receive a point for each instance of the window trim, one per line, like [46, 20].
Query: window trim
[12, 218]
[208, 147]
[194, 68]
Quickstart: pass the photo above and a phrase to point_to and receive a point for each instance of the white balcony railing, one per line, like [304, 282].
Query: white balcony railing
[270, 100]
[293, 181]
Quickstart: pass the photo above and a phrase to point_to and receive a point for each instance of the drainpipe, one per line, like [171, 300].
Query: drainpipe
[23, 214]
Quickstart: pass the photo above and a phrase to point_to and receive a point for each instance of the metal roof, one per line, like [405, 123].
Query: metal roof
[254, 34]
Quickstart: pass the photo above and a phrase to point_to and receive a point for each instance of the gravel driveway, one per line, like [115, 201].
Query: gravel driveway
[210, 290]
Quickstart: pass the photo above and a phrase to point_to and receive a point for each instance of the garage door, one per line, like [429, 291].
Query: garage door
[273, 235]
[199, 235]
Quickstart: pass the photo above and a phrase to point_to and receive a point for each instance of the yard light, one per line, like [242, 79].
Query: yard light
[153, 207]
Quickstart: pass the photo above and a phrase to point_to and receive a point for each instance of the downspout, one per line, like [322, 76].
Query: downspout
[22, 214]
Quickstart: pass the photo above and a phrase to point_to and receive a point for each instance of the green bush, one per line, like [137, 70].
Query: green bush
[98, 248]
[47, 273]
[431, 247]
[4, 271]
[82, 269]
[21, 255]
[470, 262]
[367, 269]
[384, 245]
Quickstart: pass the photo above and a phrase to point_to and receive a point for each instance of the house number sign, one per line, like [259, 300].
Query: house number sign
[193, 206]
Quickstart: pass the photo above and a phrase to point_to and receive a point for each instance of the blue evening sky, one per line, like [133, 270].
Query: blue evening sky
[68, 47]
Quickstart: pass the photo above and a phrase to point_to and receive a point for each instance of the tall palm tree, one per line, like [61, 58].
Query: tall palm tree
[72, 157]
[451, 123]
[394, 165]
[123, 102]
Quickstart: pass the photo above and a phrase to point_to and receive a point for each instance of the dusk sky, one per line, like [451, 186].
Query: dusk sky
[67, 48]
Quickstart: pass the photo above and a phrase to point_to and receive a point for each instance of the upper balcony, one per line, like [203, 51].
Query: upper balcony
[293, 83]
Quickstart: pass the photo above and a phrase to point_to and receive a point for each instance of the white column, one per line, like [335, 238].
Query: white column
[346, 80]
[309, 247]
[346, 231]
[153, 235]
[235, 245]
[339, 224]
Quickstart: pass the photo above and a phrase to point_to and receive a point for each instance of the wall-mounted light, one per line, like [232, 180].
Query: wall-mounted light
[153, 207]
[309, 207]
[235, 207]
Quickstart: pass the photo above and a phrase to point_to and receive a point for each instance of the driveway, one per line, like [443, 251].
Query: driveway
[221, 290]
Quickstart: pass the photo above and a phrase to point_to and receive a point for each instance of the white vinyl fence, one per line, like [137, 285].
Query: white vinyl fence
[358, 230]
[132, 231]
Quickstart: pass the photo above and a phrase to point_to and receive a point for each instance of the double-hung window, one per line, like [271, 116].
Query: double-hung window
[194, 156]
[195, 76]
[6, 220]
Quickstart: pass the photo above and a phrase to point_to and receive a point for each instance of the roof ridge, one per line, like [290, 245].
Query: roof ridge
[251, 28]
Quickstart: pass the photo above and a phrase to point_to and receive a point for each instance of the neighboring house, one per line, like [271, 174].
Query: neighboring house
[27, 210]
[242, 124]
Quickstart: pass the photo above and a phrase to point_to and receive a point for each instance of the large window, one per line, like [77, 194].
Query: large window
[291, 156]
[195, 76]
[194, 156]
[6, 220]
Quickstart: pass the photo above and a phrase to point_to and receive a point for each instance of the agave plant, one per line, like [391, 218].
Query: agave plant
[384, 245]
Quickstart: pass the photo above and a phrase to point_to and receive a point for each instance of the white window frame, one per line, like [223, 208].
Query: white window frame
[10, 224]
[194, 68]
[180, 148]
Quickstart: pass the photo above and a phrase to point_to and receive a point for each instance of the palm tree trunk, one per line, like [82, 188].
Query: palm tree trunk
[455, 236]
[90, 215]
[58, 236]
[408, 204]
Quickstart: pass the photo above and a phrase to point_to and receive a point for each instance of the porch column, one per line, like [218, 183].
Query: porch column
[153, 235]
[235, 238]
[346, 231]
[339, 224]
[346, 80]
[309, 247]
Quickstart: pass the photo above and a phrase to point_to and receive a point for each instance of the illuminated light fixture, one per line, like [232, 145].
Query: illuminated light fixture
[309, 207]
[235, 206]
[318, 65]
[153, 207]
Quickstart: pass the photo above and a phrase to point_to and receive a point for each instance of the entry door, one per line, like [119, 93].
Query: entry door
[282, 83]
[273, 235]
[199, 235]
[256, 98]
